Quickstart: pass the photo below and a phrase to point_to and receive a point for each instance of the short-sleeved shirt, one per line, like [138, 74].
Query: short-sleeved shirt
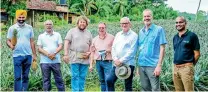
[184, 47]
[49, 43]
[103, 44]
[24, 34]
[80, 42]
[149, 45]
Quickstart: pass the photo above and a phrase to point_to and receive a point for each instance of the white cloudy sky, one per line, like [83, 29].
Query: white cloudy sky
[189, 6]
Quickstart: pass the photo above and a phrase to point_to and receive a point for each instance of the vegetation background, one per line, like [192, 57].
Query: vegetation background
[110, 11]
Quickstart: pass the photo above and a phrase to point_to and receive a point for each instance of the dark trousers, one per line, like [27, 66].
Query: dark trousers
[47, 68]
[112, 79]
[21, 71]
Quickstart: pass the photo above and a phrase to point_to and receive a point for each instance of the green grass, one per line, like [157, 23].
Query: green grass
[92, 82]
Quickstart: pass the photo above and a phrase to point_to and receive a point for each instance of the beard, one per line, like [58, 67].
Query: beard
[21, 21]
[81, 28]
[180, 29]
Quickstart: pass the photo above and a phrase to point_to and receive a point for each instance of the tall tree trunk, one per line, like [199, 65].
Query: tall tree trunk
[198, 9]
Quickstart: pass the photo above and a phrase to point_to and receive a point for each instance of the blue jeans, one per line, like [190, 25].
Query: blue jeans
[79, 72]
[47, 68]
[112, 79]
[103, 69]
[149, 82]
[21, 71]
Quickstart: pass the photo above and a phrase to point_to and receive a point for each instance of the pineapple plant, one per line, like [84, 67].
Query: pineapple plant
[14, 38]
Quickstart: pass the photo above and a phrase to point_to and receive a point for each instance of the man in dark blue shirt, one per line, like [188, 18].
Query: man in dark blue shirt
[186, 54]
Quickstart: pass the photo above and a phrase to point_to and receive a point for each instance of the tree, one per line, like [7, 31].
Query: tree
[104, 8]
[198, 9]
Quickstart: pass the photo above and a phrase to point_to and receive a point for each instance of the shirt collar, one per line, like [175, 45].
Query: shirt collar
[104, 36]
[20, 25]
[186, 33]
[126, 33]
[150, 28]
[46, 33]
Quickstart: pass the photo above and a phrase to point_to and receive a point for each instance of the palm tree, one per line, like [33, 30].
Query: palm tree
[198, 9]
[84, 5]
[120, 7]
[104, 8]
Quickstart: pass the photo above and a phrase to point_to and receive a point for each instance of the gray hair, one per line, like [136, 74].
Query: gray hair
[148, 11]
[48, 21]
[126, 18]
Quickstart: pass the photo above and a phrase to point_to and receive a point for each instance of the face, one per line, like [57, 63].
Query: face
[21, 19]
[48, 26]
[102, 29]
[180, 24]
[82, 24]
[147, 17]
[125, 25]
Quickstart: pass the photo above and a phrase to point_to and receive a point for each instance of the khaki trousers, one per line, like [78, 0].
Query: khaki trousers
[183, 77]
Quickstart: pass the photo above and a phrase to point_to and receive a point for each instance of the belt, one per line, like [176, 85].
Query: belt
[104, 60]
[183, 65]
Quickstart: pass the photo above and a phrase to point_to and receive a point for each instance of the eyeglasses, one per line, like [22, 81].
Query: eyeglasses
[180, 22]
[124, 23]
[101, 27]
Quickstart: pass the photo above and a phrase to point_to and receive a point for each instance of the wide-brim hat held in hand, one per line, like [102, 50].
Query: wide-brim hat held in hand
[123, 71]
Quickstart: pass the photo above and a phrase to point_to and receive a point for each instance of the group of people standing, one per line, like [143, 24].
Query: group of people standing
[108, 53]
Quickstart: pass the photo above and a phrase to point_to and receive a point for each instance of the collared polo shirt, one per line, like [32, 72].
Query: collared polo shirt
[49, 43]
[80, 42]
[24, 34]
[184, 47]
[124, 47]
[103, 44]
[149, 45]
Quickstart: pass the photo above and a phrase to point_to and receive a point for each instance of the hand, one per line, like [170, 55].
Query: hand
[86, 55]
[12, 47]
[34, 57]
[157, 70]
[52, 56]
[93, 49]
[91, 68]
[66, 59]
[137, 71]
[108, 51]
[117, 63]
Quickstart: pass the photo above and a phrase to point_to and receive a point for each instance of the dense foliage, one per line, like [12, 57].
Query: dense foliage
[92, 83]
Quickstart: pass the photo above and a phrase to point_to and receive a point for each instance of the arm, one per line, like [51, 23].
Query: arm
[66, 51]
[42, 51]
[92, 51]
[32, 44]
[113, 50]
[162, 53]
[131, 51]
[9, 44]
[196, 56]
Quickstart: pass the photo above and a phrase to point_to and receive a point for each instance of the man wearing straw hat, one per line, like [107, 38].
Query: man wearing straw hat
[20, 41]
[123, 52]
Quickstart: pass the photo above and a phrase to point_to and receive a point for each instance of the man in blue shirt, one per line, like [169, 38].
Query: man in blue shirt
[123, 52]
[49, 45]
[23, 50]
[151, 52]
